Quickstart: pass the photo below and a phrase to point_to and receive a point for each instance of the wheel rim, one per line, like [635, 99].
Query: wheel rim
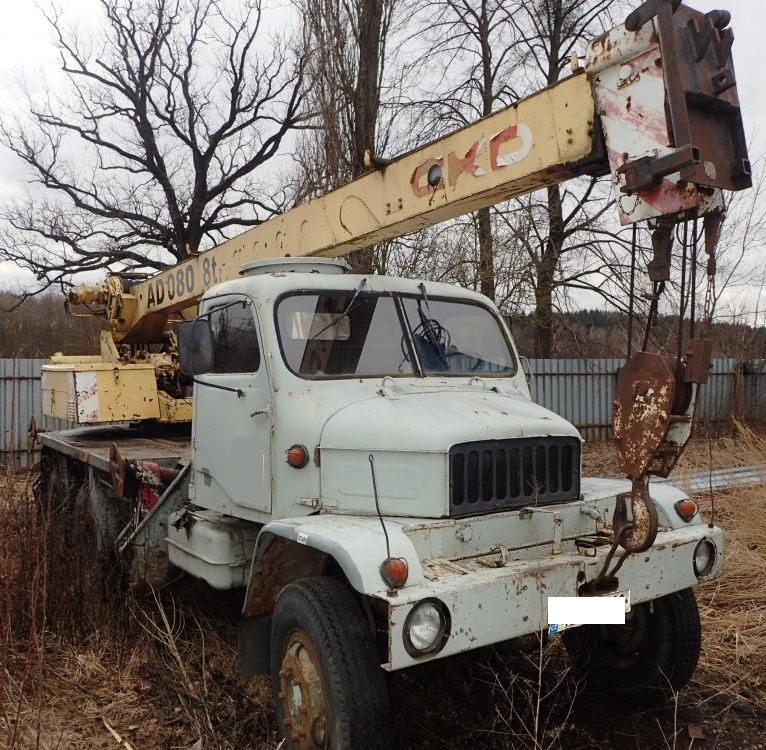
[623, 646]
[301, 693]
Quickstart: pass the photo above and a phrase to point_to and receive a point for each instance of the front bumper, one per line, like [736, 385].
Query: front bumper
[492, 604]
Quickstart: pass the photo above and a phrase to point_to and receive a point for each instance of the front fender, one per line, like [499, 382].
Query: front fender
[294, 548]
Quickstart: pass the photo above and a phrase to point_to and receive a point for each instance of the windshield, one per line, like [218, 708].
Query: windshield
[360, 334]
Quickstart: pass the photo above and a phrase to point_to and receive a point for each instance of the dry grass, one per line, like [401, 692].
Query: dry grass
[733, 607]
[83, 668]
[709, 447]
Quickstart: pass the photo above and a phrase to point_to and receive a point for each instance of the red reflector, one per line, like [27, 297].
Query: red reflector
[394, 571]
[297, 456]
[686, 509]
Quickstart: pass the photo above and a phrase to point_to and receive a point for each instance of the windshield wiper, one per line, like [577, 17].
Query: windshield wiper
[344, 314]
[432, 330]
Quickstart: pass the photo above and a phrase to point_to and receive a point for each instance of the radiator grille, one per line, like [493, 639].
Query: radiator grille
[499, 475]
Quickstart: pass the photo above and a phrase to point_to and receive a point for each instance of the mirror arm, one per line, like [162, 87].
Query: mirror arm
[240, 393]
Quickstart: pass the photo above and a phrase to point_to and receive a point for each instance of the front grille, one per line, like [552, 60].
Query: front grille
[503, 474]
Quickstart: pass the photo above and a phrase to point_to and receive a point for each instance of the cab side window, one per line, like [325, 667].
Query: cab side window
[235, 341]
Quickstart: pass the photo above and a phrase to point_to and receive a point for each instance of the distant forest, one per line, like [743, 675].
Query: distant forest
[600, 333]
[41, 326]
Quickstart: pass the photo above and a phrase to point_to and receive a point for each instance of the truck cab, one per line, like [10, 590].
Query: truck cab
[314, 372]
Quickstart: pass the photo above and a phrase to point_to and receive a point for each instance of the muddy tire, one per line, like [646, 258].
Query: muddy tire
[646, 660]
[329, 690]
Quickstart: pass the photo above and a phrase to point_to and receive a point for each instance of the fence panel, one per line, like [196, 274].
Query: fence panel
[580, 390]
[20, 399]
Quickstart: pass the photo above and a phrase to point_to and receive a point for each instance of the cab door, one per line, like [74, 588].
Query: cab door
[232, 415]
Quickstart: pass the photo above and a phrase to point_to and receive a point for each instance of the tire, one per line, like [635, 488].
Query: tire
[329, 690]
[646, 660]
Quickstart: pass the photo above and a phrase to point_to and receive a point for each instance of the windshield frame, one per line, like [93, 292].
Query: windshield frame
[397, 297]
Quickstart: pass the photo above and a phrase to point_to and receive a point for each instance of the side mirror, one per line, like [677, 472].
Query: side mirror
[195, 347]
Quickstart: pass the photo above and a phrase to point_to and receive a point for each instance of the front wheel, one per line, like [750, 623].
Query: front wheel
[329, 690]
[646, 660]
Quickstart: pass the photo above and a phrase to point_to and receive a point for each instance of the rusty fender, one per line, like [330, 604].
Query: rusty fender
[289, 549]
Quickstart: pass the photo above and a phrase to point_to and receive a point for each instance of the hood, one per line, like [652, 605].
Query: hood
[437, 419]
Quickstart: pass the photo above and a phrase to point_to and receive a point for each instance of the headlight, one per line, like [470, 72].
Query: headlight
[426, 628]
[704, 558]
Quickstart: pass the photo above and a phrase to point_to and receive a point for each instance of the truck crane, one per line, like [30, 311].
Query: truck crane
[364, 461]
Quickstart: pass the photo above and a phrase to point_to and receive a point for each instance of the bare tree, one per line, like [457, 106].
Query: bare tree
[499, 52]
[550, 31]
[477, 39]
[152, 149]
[41, 327]
[344, 45]
[739, 282]
[571, 244]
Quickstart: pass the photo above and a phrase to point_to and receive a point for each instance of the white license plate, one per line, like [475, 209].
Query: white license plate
[556, 628]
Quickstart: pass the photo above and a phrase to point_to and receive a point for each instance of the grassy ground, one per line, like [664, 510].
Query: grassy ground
[81, 667]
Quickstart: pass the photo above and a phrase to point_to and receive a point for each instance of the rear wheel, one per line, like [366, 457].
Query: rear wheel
[329, 690]
[646, 660]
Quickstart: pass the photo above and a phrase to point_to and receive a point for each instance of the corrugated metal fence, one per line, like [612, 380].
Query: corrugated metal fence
[581, 390]
[20, 399]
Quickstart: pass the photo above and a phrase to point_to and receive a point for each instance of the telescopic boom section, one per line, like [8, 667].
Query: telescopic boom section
[542, 140]
[656, 105]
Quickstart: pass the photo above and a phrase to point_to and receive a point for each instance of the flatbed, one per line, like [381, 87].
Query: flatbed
[91, 445]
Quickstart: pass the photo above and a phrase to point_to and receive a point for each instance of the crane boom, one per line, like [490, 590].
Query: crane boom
[523, 147]
[656, 104]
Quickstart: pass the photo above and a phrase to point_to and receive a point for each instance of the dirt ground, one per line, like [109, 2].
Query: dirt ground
[158, 672]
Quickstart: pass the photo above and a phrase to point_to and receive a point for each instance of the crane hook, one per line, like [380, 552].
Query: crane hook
[643, 528]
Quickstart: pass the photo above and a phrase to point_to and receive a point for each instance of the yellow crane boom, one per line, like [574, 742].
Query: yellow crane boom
[545, 139]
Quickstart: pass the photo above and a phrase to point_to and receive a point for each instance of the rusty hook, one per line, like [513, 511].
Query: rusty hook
[643, 529]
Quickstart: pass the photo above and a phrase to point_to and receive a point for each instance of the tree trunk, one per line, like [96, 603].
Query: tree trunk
[486, 254]
[551, 254]
[483, 215]
[546, 275]
[367, 92]
[366, 105]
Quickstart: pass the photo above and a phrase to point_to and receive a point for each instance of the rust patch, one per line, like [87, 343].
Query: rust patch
[699, 354]
[278, 561]
[437, 570]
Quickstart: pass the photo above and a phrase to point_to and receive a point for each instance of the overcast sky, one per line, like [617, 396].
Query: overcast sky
[747, 19]
[26, 47]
